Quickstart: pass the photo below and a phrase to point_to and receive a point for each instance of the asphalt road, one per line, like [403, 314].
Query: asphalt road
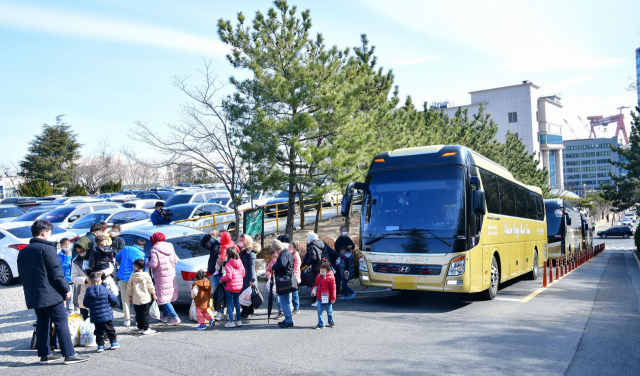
[587, 323]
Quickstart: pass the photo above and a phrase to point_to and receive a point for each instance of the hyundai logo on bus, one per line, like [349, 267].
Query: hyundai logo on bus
[404, 269]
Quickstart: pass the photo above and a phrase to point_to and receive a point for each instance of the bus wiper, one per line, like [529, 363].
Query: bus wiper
[411, 231]
[430, 232]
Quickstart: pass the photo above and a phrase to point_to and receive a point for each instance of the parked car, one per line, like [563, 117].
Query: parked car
[106, 196]
[33, 215]
[14, 236]
[126, 218]
[158, 195]
[48, 207]
[132, 192]
[141, 204]
[189, 211]
[65, 215]
[282, 199]
[22, 202]
[9, 212]
[627, 221]
[186, 242]
[192, 197]
[631, 216]
[624, 231]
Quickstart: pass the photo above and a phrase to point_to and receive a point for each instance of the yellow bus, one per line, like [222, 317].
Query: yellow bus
[445, 218]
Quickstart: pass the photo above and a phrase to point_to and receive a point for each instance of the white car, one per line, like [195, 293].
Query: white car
[627, 221]
[65, 215]
[126, 218]
[193, 197]
[14, 236]
[141, 204]
[259, 199]
[9, 212]
[195, 211]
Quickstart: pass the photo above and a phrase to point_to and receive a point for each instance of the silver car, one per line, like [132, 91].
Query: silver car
[9, 212]
[186, 242]
[65, 215]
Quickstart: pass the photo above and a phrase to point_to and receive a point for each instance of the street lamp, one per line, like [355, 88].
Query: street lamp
[584, 190]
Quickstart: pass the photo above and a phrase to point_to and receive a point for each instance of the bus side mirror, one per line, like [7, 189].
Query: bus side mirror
[346, 204]
[478, 202]
[568, 221]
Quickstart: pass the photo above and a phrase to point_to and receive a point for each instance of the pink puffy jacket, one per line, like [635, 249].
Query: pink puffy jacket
[234, 275]
[296, 266]
[163, 262]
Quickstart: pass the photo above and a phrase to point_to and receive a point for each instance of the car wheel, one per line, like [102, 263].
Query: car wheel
[6, 277]
[626, 236]
[492, 291]
[603, 236]
[533, 275]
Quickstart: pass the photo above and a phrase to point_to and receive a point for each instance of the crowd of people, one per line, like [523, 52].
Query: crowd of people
[57, 284]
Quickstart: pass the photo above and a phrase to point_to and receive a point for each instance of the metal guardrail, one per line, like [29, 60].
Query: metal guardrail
[279, 213]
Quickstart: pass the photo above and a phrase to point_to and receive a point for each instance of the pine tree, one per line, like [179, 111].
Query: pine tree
[35, 188]
[51, 155]
[111, 187]
[76, 190]
[625, 190]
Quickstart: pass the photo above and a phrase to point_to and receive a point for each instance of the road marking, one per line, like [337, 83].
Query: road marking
[636, 256]
[508, 299]
[533, 294]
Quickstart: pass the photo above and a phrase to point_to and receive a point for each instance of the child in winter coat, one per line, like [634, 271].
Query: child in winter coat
[345, 264]
[201, 294]
[142, 293]
[65, 262]
[101, 256]
[325, 290]
[234, 278]
[104, 230]
[98, 299]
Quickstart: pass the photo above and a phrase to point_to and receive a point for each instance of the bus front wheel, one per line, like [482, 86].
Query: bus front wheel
[492, 291]
[533, 275]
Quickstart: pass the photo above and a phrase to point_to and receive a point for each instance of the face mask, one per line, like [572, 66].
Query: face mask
[324, 273]
[241, 244]
[344, 234]
[114, 234]
[81, 255]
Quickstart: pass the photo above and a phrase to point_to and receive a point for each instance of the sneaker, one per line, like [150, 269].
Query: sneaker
[219, 317]
[344, 297]
[51, 358]
[319, 327]
[239, 323]
[212, 322]
[296, 311]
[230, 324]
[126, 323]
[352, 295]
[174, 321]
[100, 349]
[314, 304]
[201, 327]
[115, 345]
[279, 316]
[332, 324]
[164, 319]
[283, 324]
[76, 358]
[148, 331]
[140, 331]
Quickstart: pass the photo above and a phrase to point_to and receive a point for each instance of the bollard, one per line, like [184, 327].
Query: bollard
[564, 263]
[544, 274]
[550, 272]
[561, 268]
[557, 271]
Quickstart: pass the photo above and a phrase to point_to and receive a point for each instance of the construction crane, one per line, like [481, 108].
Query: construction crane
[571, 128]
[597, 121]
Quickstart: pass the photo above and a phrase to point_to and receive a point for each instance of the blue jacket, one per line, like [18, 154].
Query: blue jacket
[65, 262]
[125, 259]
[157, 219]
[98, 299]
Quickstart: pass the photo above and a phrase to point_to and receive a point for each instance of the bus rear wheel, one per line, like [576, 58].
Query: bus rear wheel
[533, 275]
[492, 291]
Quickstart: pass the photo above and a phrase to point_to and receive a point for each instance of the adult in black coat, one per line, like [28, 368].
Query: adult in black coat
[45, 290]
[283, 268]
[248, 257]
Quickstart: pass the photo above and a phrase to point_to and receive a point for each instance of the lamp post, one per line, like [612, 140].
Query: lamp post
[584, 190]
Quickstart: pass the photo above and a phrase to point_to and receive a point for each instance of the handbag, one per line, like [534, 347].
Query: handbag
[256, 297]
[286, 284]
[220, 298]
[307, 277]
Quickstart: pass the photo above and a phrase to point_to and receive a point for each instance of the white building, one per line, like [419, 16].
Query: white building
[536, 120]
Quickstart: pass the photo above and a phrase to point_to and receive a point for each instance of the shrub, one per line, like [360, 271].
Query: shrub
[76, 190]
[637, 240]
[35, 188]
[111, 187]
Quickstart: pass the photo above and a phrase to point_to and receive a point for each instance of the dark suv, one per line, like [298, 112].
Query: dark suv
[623, 231]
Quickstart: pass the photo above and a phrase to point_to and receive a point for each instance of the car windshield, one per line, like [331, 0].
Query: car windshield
[188, 246]
[10, 212]
[164, 195]
[58, 215]
[554, 217]
[90, 219]
[256, 196]
[219, 200]
[61, 200]
[181, 212]
[31, 216]
[430, 198]
[25, 231]
[178, 199]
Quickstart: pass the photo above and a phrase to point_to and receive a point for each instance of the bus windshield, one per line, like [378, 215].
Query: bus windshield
[428, 198]
[554, 218]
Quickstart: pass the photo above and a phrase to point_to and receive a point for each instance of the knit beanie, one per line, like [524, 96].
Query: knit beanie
[276, 244]
[311, 237]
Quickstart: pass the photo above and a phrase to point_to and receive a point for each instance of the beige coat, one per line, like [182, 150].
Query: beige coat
[78, 277]
[140, 288]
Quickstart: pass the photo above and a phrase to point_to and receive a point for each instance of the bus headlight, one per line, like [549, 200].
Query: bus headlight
[457, 266]
[362, 265]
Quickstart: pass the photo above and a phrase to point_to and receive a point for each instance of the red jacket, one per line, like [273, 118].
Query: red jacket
[325, 284]
[225, 243]
[234, 276]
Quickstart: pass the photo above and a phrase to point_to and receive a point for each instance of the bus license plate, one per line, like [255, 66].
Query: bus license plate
[402, 282]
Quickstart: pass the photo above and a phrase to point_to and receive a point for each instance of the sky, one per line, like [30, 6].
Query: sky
[106, 64]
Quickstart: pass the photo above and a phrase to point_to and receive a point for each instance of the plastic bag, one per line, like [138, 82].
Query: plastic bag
[193, 315]
[87, 338]
[154, 311]
[245, 297]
